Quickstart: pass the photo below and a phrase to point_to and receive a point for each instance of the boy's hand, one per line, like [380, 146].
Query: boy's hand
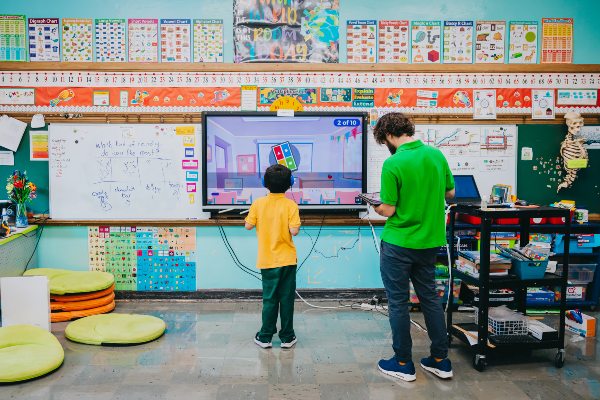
[248, 226]
[293, 231]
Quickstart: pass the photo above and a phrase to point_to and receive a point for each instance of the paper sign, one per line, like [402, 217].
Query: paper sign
[208, 40]
[527, 154]
[11, 132]
[44, 39]
[189, 164]
[13, 38]
[110, 40]
[484, 104]
[249, 98]
[579, 97]
[361, 41]
[394, 41]
[143, 40]
[542, 104]
[425, 42]
[38, 145]
[101, 98]
[557, 40]
[77, 39]
[490, 37]
[523, 48]
[7, 157]
[577, 163]
[185, 130]
[175, 40]
[458, 42]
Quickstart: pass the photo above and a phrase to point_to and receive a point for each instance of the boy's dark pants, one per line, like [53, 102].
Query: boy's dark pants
[279, 292]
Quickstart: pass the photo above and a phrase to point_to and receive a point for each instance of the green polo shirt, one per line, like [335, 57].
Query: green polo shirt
[415, 180]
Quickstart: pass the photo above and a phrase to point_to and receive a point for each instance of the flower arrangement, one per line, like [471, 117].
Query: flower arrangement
[19, 188]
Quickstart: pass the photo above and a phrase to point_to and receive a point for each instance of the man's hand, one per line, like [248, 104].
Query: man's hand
[385, 210]
[450, 194]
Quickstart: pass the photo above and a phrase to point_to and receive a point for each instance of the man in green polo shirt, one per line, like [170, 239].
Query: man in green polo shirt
[415, 181]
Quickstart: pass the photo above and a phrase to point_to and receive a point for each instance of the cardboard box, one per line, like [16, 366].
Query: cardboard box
[587, 327]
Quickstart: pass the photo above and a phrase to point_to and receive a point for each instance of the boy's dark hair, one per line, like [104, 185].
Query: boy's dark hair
[278, 178]
[395, 124]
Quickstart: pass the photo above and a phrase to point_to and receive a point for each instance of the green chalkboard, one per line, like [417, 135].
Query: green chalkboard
[37, 171]
[538, 179]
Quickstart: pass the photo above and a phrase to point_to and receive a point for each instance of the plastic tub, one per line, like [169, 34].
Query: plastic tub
[579, 273]
[529, 269]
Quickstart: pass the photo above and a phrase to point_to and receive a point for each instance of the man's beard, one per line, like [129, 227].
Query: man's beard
[391, 148]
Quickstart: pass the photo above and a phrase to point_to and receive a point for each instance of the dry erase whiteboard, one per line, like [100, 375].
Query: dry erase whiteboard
[134, 171]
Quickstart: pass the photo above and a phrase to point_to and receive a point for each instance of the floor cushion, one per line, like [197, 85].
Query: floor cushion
[63, 316]
[64, 281]
[115, 329]
[26, 352]
[82, 305]
[83, 296]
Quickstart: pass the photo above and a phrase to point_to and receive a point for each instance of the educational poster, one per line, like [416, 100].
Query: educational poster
[44, 39]
[591, 137]
[110, 38]
[484, 104]
[145, 258]
[394, 40]
[175, 40]
[286, 31]
[523, 42]
[361, 41]
[268, 95]
[208, 40]
[557, 40]
[490, 38]
[17, 96]
[577, 97]
[143, 40]
[13, 38]
[542, 104]
[425, 42]
[458, 42]
[77, 40]
[38, 145]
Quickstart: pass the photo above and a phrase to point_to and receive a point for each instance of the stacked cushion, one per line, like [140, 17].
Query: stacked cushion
[115, 329]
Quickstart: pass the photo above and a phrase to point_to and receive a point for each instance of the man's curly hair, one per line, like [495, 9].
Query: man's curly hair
[395, 124]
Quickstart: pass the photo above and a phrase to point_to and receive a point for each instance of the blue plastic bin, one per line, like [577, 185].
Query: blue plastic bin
[529, 269]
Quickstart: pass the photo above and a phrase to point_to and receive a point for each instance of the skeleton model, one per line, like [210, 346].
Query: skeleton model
[571, 149]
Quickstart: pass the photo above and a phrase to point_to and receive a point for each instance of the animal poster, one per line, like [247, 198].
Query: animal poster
[143, 40]
[110, 39]
[557, 40]
[490, 38]
[458, 42]
[13, 38]
[523, 42]
[208, 40]
[44, 39]
[286, 31]
[542, 104]
[77, 40]
[175, 40]
[484, 104]
[361, 41]
[394, 39]
[426, 42]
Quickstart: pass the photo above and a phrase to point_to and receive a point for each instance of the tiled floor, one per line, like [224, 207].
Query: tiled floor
[207, 353]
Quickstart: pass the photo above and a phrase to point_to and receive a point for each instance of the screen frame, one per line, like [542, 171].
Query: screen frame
[321, 207]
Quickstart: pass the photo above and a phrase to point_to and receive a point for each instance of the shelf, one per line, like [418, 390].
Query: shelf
[510, 281]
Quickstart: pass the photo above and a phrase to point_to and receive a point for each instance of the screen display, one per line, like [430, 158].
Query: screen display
[324, 152]
[466, 188]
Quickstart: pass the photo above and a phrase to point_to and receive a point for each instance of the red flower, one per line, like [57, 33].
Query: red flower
[19, 184]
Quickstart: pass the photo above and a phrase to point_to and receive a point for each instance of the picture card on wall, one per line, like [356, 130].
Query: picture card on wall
[426, 42]
[458, 42]
[77, 39]
[490, 38]
[175, 40]
[143, 40]
[557, 40]
[394, 39]
[208, 40]
[110, 39]
[542, 104]
[44, 39]
[484, 104]
[523, 42]
[361, 41]
[13, 38]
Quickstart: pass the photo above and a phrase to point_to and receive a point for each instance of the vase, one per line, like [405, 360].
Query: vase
[21, 216]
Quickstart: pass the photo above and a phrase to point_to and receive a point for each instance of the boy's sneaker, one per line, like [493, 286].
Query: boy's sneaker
[289, 344]
[264, 345]
[442, 369]
[391, 367]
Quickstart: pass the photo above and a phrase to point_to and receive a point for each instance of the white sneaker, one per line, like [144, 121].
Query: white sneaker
[264, 345]
[290, 344]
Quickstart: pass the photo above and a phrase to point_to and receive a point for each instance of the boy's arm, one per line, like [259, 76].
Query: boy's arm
[294, 220]
[250, 221]
[248, 226]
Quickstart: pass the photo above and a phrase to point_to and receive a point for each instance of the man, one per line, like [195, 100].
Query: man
[415, 180]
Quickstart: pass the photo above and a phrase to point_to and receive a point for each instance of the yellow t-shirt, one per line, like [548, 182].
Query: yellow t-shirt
[273, 217]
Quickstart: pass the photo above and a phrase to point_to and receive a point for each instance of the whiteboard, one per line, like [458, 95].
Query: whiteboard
[486, 151]
[133, 171]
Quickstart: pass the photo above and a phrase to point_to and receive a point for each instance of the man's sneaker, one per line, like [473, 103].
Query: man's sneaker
[289, 344]
[264, 345]
[442, 369]
[391, 367]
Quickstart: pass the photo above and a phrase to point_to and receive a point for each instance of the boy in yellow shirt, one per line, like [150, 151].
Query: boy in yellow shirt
[276, 219]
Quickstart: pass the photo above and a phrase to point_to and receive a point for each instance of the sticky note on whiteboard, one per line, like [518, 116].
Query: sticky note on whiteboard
[577, 163]
[185, 130]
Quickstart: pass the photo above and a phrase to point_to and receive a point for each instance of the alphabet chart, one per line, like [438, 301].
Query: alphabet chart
[489, 42]
[143, 40]
[523, 47]
[394, 40]
[426, 43]
[13, 38]
[110, 40]
[44, 39]
[175, 40]
[458, 42]
[208, 40]
[77, 39]
[557, 40]
[361, 39]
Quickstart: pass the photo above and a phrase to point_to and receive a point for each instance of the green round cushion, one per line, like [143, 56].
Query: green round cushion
[115, 329]
[26, 352]
[63, 281]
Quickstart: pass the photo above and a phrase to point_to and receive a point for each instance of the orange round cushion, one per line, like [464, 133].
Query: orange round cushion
[82, 305]
[82, 296]
[69, 315]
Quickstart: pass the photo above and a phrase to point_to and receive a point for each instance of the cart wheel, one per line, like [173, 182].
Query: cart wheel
[559, 359]
[478, 362]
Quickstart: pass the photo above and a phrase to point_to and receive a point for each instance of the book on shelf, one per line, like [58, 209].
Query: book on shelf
[470, 269]
[497, 261]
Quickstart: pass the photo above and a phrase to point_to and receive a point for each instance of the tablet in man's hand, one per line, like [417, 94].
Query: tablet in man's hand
[371, 198]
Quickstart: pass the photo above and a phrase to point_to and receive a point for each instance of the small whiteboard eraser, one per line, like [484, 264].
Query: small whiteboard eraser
[285, 113]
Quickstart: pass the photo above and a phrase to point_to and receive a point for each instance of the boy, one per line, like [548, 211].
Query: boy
[276, 219]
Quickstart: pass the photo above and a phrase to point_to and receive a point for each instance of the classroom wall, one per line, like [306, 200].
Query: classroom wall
[584, 12]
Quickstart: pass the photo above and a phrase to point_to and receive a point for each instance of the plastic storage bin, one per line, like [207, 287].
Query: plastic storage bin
[580, 243]
[579, 273]
[529, 269]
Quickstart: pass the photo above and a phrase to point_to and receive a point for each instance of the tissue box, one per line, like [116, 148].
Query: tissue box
[587, 328]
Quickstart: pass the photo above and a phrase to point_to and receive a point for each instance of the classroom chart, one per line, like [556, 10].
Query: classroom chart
[425, 42]
[490, 38]
[394, 41]
[523, 42]
[208, 40]
[458, 42]
[143, 40]
[44, 39]
[110, 39]
[135, 171]
[557, 40]
[13, 38]
[361, 41]
[77, 40]
[175, 40]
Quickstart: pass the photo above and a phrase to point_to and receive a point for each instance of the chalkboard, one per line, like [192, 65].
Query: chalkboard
[133, 171]
[537, 179]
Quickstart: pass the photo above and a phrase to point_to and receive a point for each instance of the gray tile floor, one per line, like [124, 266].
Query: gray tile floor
[207, 353]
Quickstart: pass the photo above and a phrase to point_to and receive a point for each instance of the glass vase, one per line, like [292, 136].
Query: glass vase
[21, 216]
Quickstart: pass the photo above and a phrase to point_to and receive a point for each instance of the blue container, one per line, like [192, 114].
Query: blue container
[529, 269]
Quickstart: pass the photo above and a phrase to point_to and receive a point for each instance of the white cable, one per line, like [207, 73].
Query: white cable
[321, 307]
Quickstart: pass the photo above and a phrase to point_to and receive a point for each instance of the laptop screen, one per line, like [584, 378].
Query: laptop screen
[466, 189]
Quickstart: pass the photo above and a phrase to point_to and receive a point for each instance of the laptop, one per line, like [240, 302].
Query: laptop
[466, 191]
